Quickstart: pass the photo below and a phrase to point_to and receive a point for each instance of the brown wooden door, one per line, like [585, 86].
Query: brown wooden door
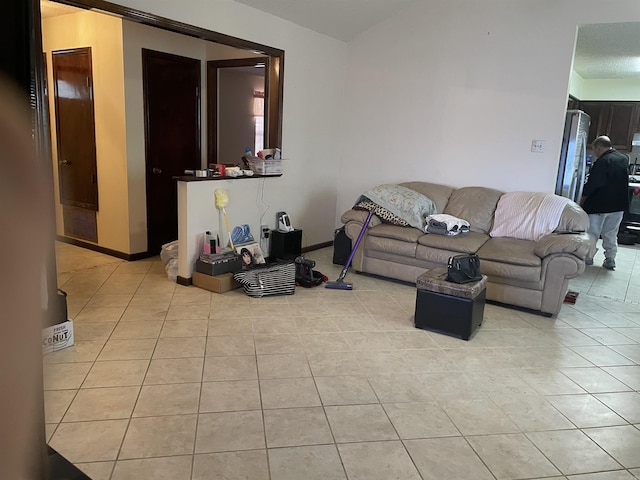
[172, 137]
[75, 128]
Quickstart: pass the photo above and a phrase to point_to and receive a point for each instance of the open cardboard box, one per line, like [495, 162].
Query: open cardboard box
[218, 283]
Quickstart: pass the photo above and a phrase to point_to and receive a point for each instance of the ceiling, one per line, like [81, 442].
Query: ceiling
[608, 50]
[603, 51]
[340, 19]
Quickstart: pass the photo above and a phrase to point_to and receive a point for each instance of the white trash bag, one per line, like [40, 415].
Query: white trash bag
[169, 257]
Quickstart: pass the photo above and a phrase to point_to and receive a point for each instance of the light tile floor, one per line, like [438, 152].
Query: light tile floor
[173, 382]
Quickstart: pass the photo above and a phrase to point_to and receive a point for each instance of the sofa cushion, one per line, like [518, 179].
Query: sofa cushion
[464, 243]
[406, 234]
[476, 205]
[436, 256]
[510, 258]
[391, 246]
[439, 194]
[515, 275]
[511, 251]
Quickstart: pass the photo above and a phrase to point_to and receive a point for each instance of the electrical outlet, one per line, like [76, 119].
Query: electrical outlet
[264, 231]
[537, 146]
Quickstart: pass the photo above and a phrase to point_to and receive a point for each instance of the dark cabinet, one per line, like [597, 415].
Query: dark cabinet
[573, 103]
[595, 110]
[617, 120]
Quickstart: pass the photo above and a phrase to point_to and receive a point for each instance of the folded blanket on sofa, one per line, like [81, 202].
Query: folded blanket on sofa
[527, 215]
[443, 224]
[406, 204]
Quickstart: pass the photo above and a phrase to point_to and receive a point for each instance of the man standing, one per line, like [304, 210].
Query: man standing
[605, 197]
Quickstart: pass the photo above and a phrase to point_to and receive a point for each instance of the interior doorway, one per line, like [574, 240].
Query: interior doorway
[76, 141]
[172, 137]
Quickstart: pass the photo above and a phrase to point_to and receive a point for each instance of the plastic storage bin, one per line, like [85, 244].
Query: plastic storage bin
[265, 167]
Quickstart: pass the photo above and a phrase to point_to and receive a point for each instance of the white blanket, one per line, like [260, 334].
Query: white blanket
[527, 215]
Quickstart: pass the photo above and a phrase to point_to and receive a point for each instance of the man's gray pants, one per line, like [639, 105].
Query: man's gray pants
[606, 225]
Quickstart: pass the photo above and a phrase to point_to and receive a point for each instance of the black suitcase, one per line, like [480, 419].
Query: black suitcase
[341, 246]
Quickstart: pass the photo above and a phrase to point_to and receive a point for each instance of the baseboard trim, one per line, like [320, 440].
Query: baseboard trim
[317, 246]
[107, 251]
[184, 281]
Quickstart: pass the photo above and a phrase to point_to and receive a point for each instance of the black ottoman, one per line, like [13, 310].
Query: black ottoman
[451, 308]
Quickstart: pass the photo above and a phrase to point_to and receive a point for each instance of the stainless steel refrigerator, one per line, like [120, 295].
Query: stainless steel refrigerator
[573, 155]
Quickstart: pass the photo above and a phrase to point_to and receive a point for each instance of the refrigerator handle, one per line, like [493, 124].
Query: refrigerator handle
[583, 171]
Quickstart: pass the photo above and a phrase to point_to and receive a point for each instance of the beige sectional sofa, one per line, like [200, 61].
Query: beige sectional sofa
[524, 273]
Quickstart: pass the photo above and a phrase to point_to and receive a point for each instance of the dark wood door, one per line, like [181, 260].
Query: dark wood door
[75, 128]
[172, 137]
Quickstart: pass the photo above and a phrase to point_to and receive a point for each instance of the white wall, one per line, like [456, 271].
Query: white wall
[576, 85]
[613, 89]
[314, 69]
[450, 92]
[623, 89]
[454, 92]
[135, 38]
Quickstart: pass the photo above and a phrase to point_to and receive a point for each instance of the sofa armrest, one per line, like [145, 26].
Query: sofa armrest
[359, 216]
[579, 244]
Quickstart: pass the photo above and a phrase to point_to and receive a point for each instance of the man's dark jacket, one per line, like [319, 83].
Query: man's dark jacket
[607, 189]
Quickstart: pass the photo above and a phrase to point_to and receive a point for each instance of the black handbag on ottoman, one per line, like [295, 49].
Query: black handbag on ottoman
[464, 268]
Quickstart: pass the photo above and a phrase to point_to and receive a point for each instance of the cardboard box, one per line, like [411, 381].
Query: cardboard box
[57, 337]
[219, 283]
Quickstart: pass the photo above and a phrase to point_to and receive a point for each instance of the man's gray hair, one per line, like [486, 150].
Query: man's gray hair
[602, 142]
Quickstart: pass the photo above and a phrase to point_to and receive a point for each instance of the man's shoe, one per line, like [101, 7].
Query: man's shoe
[609, 264]
[588, 261]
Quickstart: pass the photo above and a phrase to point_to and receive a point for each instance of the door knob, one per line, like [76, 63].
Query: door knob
[65, 162]
[156, 170]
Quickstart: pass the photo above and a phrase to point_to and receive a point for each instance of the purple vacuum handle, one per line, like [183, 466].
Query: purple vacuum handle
[355, 247]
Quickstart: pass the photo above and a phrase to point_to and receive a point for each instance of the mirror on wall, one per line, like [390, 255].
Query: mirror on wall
[237, 113]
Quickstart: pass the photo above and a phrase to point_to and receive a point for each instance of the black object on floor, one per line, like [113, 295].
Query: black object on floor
[285, 245]
[341, 246]
[627, 238]
[62, 469]
[571, 297]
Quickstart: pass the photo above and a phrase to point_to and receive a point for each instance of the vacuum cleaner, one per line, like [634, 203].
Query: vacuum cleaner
[340, 284]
